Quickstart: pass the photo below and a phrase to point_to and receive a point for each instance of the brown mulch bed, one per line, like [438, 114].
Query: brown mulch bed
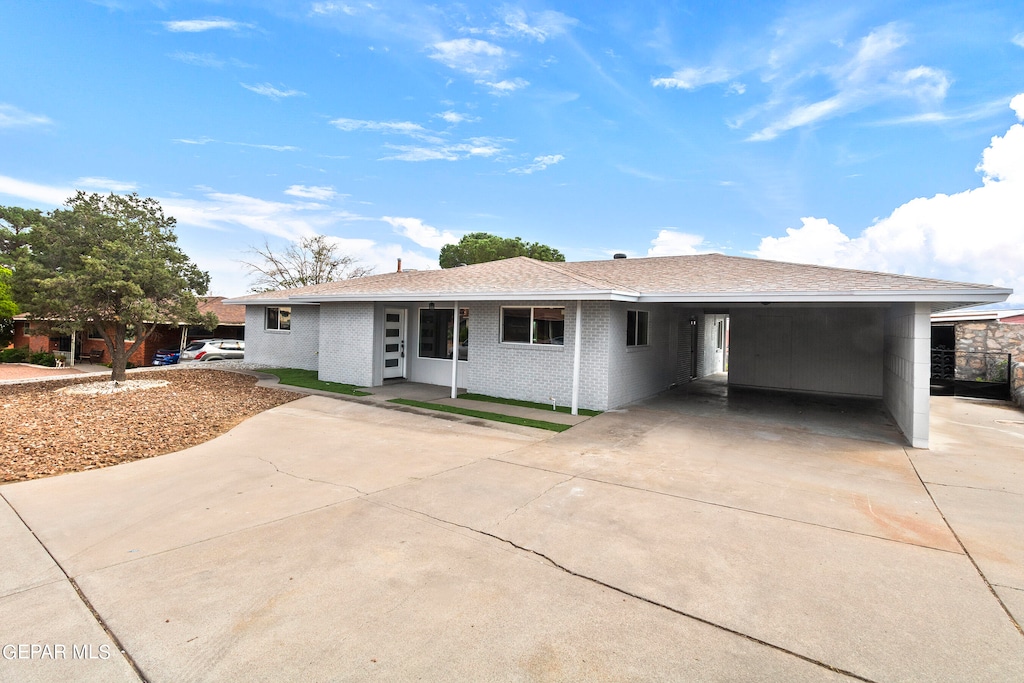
[47, 433]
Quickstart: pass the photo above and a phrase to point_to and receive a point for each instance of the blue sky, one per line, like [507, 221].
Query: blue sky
[873, 135]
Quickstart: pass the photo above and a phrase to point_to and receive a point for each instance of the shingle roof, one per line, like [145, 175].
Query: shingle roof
[684, 278]
[226, 315]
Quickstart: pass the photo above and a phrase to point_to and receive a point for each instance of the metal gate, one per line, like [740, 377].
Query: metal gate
[968, 373]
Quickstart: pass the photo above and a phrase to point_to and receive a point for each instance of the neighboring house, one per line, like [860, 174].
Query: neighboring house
[90, 345]
[602, 334]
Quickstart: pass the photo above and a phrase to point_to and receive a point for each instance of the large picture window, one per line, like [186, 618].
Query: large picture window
[533, 325]
[279, 318]
[637, 328]
[436, 333]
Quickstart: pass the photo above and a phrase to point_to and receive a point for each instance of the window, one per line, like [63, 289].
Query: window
[436, 326]
[637, 326]
[533, 325]
[279, 318]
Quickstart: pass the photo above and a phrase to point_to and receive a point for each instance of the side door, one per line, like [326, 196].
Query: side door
[394, 343]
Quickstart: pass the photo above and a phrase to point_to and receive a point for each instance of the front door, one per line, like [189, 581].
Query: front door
[394, 343]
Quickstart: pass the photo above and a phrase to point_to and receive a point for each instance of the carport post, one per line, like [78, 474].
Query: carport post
[455, 352]
[576, 359]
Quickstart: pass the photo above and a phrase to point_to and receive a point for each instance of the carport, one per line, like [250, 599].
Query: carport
[834, 349]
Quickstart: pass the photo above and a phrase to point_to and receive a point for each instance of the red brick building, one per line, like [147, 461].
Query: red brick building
[91, 347]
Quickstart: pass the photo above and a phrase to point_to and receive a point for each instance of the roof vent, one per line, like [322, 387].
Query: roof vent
[619, 255]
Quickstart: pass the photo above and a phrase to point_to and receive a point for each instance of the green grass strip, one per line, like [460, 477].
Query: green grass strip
[527, 404]
[496, 417]
[309, 380]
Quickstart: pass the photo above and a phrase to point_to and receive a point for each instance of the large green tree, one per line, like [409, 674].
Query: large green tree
[480, 247]
[110, 264]
[8, 309]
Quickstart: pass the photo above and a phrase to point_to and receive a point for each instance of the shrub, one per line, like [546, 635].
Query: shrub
[19, 355]
[43, 358]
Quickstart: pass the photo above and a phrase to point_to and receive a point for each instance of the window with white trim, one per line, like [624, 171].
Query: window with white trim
[533, 325]
[637, 328]
[279, 318]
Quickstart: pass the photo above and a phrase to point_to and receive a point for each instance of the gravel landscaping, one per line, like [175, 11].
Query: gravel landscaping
[48, 432]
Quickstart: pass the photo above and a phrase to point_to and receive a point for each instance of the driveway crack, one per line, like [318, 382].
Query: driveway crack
[82, 596]
[970, 557]
[310, 479]
[529, 502]
[636, 596]
[973, 488]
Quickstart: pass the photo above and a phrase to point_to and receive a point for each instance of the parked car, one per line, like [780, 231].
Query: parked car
[166, 356]
[203, 350]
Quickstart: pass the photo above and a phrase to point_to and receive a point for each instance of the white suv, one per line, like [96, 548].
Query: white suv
[213, 349]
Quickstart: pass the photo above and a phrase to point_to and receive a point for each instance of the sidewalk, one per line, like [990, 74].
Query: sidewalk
[431, 393]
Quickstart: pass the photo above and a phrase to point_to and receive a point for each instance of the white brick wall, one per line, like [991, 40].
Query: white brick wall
[294, 349]
[639, 371]
[348, 340]
[907, 369]
[539, 372]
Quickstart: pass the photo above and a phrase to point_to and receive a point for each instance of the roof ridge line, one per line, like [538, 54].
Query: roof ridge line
[550, 265]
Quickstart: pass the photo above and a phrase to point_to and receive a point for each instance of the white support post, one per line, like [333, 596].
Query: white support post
[455, 352]
[71, 360]
[576, 359]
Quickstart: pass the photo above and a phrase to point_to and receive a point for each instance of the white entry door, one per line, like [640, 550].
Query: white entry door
[394, 343]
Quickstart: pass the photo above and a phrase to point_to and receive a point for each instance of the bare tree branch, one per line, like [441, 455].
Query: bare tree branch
[310, 261]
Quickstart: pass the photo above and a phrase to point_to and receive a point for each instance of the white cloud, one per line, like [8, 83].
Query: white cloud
[692, 78]
[12, 117]
[1018, 40]
[207, 141]
[43, 194]
[401, 127]
[454, 117]
[334, 8]
[316, 192]
[868, 77]
[470, 55]
[419, 232]
[506, 86]
[474, 147]
[100, 183]
[237, 214]
[973, 236]
[671, 242]
[200, 25]
[540, 27]
[539, 164]
[267, 90]
[196, 59]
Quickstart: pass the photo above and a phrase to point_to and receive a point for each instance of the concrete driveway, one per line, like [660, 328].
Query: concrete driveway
[329, 540]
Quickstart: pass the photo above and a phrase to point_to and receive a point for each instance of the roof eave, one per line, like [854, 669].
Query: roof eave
[573, 295]
[961, 297]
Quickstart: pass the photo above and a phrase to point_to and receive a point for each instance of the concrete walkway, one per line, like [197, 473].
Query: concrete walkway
[436, 394]
[676, 540]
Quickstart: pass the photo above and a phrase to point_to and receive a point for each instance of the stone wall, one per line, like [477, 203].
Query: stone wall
[987, 337]
[991, 337]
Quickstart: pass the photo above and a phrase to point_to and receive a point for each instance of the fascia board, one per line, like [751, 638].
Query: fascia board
[268, 302]
[586, 295]
[950, 295]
